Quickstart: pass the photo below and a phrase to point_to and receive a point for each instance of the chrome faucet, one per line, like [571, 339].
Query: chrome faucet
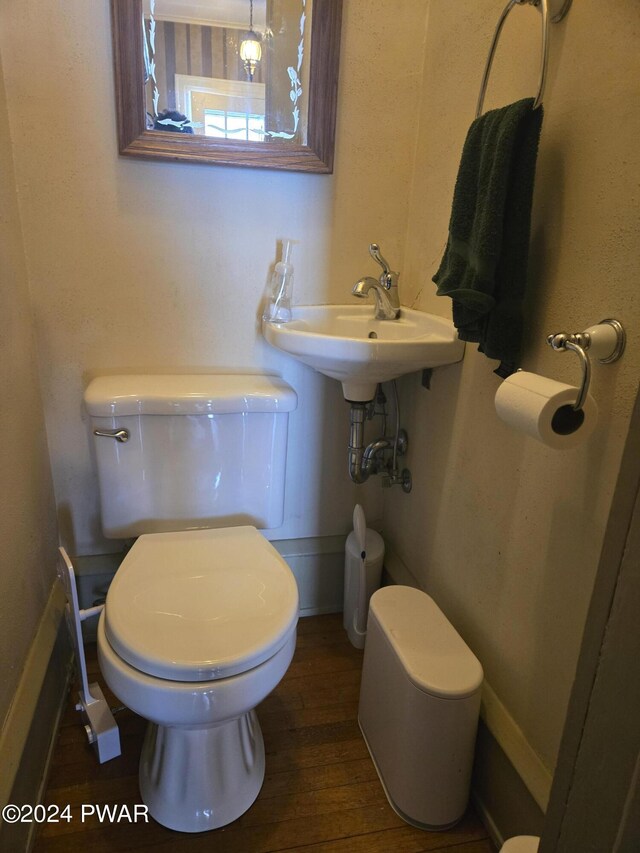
[385, 289]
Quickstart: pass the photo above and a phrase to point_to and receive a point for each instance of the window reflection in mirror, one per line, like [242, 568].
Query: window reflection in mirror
[197, 81]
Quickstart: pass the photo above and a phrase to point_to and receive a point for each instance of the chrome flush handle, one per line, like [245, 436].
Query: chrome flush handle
[121, 435]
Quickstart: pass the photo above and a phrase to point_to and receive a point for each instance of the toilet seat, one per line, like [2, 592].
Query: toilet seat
[200, 605]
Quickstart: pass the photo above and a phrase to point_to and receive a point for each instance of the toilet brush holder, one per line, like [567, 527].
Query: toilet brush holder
[100, 727]
[364, 556]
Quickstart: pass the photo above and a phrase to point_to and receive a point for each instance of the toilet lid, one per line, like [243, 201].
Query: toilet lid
[200, 604]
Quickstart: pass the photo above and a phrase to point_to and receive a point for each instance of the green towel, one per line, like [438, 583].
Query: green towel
[484, 267]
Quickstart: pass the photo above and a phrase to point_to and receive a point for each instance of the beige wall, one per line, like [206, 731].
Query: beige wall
[27, 521]
[161, 266]
[504, 532]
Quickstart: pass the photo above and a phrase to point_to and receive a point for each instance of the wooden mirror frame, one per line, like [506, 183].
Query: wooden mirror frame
[134, 140]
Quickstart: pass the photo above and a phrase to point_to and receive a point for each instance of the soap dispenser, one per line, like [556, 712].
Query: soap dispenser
[279, 291]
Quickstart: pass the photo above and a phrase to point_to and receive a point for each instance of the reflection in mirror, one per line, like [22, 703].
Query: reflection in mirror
[238, 82]
[228, 69]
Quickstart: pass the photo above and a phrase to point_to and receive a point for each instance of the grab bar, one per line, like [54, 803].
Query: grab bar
[544, 58]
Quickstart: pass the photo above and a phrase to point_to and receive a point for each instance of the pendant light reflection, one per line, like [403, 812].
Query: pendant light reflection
[251, 47]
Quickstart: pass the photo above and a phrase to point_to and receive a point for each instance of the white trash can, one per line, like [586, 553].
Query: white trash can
[521, 844]
[419, 705]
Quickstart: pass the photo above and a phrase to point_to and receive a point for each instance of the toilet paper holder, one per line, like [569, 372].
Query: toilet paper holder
[606, 341]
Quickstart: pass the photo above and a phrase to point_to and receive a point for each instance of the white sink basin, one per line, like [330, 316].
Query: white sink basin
[346, 343]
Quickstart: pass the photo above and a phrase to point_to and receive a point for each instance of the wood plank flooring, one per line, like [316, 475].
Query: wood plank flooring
[321, 793]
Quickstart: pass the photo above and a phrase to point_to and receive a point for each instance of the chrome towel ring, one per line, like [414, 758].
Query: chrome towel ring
[554, 16]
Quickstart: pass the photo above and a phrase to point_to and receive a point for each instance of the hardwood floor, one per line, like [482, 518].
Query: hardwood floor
[321, 793]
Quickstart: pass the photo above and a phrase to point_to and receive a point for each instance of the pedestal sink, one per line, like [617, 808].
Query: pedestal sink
[348, 344]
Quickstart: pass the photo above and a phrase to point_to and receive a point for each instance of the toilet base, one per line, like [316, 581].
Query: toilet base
[196, 779]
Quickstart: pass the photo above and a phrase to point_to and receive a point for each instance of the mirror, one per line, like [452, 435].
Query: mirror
[237, 82]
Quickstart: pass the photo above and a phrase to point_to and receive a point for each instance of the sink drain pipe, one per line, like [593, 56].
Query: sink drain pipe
[357, 416]
[364, 461]
[361, 460]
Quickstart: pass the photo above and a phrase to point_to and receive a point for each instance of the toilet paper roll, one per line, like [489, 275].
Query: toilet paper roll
[543, 409]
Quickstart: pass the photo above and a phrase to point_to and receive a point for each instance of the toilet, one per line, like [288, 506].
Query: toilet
[199, 624]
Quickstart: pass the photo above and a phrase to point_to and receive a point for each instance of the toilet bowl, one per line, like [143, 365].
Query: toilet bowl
[199, 623]
[198, 628]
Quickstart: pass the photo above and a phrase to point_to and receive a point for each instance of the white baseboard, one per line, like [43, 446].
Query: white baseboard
[15, 731]
[398, 571]
[49, 719]
[316, 562]
[29, 732]
[520, 753]
[318, 567]
[487, 818]
[500, 723]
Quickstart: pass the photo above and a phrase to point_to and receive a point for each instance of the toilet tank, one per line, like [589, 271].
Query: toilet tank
[200, 451]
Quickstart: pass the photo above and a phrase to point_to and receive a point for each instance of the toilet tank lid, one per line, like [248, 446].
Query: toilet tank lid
[433, 654]
[187, 394]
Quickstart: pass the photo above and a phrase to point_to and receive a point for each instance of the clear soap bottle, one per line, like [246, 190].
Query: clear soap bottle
[280, 289]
